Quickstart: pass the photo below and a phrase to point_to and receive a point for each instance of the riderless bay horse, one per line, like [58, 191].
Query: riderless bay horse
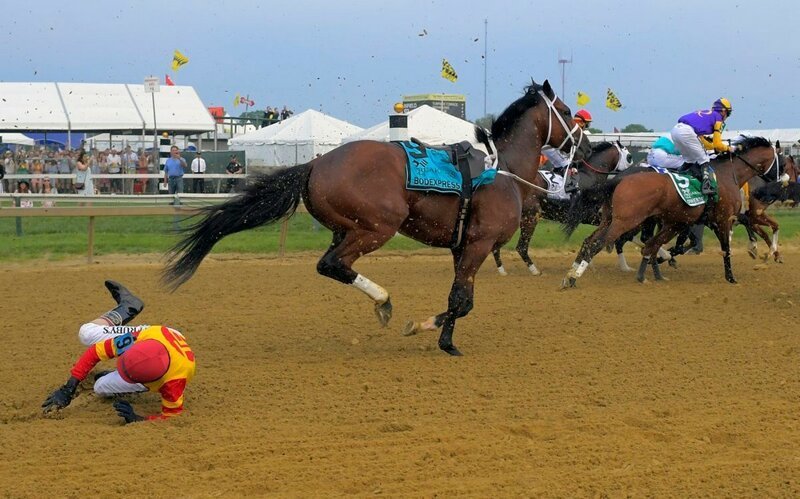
[762, 191]
[606, 158]
[358, 192]
[629, 199]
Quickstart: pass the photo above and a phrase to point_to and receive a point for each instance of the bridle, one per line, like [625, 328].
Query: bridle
[754, 168]
[622, 157]
[570, 136]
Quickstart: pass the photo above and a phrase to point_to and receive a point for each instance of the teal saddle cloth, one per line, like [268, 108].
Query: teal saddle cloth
[434, 169]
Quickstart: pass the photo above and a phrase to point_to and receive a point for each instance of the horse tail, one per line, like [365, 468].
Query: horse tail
[270, 198]
[587, 202]
[482, 136]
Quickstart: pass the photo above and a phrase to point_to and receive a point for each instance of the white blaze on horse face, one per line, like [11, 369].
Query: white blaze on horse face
[374, 291]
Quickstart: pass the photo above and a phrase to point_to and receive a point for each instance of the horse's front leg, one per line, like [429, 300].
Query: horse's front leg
[460, 300]
[722, 230]
[527, 227]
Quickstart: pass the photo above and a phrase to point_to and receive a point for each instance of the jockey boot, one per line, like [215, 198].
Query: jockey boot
[570, 182]
[128, 305]
[706, 188]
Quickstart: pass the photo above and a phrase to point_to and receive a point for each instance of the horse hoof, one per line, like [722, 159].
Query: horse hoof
[568, 282]
[451, 350]
[642, 279]
[411, 328]
[672, 262]
[731, 280]
[384, 312]
[753, 253]
[534, 270]
[627, 268]
[778, 258]
[502, 270]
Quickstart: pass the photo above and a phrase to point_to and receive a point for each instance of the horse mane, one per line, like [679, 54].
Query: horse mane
[745, 143]
[503, 125]
[601, 146]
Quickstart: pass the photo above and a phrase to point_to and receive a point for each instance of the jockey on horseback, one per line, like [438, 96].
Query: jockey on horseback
[559, 159]
[689, 136]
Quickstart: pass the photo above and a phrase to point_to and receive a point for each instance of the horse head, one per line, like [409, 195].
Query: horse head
[625, 157]
[757, 153]
[538, 118]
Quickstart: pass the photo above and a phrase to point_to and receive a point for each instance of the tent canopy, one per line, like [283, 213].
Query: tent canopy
[428, 125]
[307, 127]
[100, 107]
[296, 140]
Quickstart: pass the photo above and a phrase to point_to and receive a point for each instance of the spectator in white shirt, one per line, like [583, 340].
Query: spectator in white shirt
[199, 166]
[115, 168]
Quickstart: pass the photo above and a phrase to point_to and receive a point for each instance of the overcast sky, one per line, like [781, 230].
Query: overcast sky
[354, 59]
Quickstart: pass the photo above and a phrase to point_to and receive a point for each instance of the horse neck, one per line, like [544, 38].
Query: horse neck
[521, 156]
[739, 172]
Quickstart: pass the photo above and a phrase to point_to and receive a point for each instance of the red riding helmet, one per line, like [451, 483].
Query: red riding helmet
[584, 115]
[143, 362]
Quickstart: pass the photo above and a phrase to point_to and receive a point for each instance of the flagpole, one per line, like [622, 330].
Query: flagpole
[485, 60]
[247, 104]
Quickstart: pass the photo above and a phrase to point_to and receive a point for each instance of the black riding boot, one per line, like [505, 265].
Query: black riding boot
[705, 172]
[128, 305]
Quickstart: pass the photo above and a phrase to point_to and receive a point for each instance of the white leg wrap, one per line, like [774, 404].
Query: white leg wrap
[752, 245]
[663, 253]
[774, 246]
[113, 384]
[534, 270]
[622, 262]
[502, 270]
[371, 289]
[581, 268]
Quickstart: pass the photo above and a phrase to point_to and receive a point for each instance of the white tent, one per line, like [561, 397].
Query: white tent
[16, 138]
[73, 107]
[428, 125]
[293, 141]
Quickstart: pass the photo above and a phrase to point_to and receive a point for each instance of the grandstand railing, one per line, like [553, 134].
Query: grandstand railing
[219, 177]
[178, 205]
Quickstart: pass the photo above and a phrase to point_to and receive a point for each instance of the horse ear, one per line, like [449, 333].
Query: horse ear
[619, 144]
[548, 90]
[777, 144]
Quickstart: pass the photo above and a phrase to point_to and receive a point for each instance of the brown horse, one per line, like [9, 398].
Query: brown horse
[605, 159]
[630, 199]
[358, 192]
[762, 192]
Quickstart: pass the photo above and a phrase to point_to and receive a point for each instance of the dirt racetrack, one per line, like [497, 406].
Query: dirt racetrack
[685, 388]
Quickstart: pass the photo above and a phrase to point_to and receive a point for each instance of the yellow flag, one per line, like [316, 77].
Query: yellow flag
[583, 99]
[448, 73]
[178, 60]
[612, 102]
[236, 100]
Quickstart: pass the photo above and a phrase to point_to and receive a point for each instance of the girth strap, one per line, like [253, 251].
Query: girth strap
[465, 201]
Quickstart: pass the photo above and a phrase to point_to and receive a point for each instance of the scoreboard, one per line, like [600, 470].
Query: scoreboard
[453, 104]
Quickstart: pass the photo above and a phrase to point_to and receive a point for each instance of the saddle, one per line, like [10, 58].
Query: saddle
[470, 163]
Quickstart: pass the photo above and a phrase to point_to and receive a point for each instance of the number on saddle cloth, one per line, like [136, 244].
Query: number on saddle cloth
[687, 186]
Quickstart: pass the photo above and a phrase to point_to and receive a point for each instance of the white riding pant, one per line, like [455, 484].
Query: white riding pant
[112, 383]
[663, 159]
[685, 139]
[89, 333]
[556, 157]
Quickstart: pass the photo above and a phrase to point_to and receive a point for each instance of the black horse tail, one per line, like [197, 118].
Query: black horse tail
[587, 203]
[270, 198]
[482, 136]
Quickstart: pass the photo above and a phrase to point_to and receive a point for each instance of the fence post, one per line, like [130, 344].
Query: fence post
[282, 241]
[18, 203]
[90, 256]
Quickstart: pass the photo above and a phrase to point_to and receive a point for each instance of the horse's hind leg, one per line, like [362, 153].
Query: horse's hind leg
[619, 244]
[337, 263]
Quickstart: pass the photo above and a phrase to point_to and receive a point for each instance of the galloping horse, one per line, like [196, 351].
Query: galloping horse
[606, 158]
[358, 192]
[763, 192]
[629, 199]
